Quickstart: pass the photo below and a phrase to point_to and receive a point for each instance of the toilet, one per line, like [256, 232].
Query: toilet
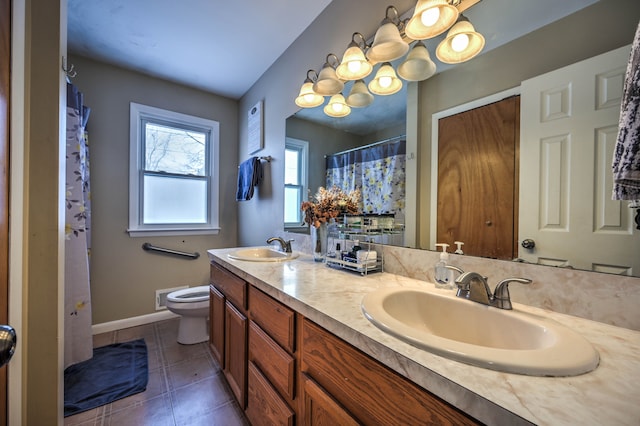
[192, 304]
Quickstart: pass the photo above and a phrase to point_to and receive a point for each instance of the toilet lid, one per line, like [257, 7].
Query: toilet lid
[192, 294]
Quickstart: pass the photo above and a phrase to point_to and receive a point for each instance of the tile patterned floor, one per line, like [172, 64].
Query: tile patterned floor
[186, 385]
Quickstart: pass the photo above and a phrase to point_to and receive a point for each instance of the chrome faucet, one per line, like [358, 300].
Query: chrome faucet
[285, 245]
[474, 287]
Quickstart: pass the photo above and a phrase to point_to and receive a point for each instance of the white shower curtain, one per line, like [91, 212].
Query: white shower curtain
[78, 341]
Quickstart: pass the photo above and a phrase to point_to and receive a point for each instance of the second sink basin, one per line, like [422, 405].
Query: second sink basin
[262, 254]
[509, 341]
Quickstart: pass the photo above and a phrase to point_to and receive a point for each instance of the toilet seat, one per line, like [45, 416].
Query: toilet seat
[189, 295]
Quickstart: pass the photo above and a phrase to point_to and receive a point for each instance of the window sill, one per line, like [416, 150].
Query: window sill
[161, 232]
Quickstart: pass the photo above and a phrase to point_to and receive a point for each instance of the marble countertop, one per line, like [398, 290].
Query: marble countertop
[331, 298]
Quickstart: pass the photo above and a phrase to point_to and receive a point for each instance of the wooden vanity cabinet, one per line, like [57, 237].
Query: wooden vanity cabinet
[286, 370]
[229, 328]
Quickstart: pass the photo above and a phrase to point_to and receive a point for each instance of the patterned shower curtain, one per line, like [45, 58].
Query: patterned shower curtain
[78, 341]
[378, 170]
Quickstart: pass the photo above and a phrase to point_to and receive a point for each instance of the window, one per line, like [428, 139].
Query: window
[296, 160]
[173, 173]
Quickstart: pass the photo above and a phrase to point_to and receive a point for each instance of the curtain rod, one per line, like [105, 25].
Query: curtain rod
[393, 139]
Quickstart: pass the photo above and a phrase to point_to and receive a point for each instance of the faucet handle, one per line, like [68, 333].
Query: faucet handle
[501, 296]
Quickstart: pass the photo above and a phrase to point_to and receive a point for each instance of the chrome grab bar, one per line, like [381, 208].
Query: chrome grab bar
[149, 247]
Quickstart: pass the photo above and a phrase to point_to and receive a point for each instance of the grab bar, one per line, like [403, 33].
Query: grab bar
[149, 247]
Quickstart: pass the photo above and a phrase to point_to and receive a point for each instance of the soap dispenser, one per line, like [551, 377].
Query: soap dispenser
[443, 275]
[459, 245]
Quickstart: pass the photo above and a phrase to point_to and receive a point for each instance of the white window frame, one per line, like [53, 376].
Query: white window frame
[137, 114]
[303, 174]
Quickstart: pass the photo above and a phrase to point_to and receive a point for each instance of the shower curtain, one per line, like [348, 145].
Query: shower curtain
[378, 170]
[78, 341]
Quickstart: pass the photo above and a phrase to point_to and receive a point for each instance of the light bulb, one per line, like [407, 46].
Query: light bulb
[354, 66]
[430, 16]
[460, 42]
[337, 107]
[385, 81]
[309, 97]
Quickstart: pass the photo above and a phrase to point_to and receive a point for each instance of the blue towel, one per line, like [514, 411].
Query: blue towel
[249, 176]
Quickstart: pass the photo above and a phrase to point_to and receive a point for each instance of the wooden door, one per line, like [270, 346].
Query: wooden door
[477, 179]
[216, 324]
[569, 130]
[5, 66]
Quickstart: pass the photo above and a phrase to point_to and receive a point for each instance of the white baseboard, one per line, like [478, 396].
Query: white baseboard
[106, 327]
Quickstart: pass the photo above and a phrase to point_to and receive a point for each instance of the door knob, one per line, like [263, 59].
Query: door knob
[528, 243]
[8, 340]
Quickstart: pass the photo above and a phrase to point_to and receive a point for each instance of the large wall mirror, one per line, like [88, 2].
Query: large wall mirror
[387, 119]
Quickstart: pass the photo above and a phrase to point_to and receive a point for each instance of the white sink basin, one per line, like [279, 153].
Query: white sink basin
[262, 254]
[497, 339]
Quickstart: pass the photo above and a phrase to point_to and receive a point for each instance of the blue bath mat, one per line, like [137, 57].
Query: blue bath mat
[115, 371]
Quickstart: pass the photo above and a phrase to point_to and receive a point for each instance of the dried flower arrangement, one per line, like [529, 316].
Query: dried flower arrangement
[329, 204]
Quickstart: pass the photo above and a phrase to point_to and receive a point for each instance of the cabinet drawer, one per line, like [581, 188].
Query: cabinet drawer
[234, 288]
[275, 363]
[367, 389]
[264, 406]
[277, 320]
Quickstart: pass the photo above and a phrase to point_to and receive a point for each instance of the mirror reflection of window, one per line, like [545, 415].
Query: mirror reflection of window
[296, 161]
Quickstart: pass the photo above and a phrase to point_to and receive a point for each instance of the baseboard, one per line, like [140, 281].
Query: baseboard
[106, 327]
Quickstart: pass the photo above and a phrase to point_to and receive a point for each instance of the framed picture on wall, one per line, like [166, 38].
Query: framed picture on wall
[256, 137]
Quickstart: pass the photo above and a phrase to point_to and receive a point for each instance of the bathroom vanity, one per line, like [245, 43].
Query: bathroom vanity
[296, 349]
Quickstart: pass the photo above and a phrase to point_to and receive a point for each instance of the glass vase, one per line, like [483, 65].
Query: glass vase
[319, 238]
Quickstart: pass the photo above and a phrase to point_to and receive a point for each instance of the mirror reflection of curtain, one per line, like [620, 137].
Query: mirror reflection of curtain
[78, 340]
[378, 170]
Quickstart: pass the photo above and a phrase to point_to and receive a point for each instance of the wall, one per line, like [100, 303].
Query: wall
[123, 276]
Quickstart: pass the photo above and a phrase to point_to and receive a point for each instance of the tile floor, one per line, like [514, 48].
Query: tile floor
[186, 385]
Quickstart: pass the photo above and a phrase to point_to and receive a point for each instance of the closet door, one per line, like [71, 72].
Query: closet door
[477, 179]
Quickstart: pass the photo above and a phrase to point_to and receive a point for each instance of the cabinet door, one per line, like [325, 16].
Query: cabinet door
[266, 407]
[216, 324]
[235, 365]
[320, 409]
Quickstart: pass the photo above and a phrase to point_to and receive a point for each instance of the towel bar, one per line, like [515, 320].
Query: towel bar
[149, 247]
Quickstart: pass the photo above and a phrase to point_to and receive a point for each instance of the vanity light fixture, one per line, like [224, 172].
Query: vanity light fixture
[391, 42]
[307, 98]
[328, 83]
[461, 44]
[418, 66]
[354, 65]
[359, 96]
[386, 82]
[388, 44]
[431, 18]
[337, 107]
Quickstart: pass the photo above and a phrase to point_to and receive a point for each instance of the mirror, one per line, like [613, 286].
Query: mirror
[588, 15]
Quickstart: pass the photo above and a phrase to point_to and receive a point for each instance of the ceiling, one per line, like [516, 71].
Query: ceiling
[199, 43]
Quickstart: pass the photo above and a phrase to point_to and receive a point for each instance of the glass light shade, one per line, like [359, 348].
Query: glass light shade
[337, 107]
[424, 14]
[354, 65]
[461, 44]
[385, 82]
[387, 44]
[359, 96]
[307, 97]
[418, 66]
[328, 83]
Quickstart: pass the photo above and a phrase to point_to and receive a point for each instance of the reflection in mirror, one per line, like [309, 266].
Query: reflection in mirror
[501, 69]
